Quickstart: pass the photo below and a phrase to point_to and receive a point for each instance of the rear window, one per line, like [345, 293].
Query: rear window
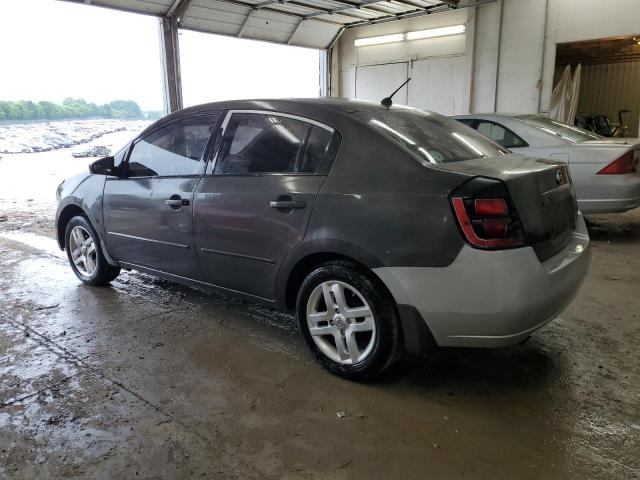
[432, 138]
[568, 132]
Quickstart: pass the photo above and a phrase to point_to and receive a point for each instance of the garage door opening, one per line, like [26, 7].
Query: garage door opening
[216, 68]
[609, 91]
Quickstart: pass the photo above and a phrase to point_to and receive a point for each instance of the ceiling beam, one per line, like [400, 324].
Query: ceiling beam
[372, 8]
[437, 8]
[295, 30]
[282, 12]
[335, 38]
[347, 6]
[178, 8]
[410, 2]
[317, 8]
[246, 21]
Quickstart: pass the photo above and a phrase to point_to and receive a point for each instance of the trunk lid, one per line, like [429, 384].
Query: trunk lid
[611, 142]
[541, 192]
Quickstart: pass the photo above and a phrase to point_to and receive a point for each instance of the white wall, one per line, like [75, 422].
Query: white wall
[524, 60]
[426, 61]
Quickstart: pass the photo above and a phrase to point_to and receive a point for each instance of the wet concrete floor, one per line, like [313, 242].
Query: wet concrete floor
[148, 379]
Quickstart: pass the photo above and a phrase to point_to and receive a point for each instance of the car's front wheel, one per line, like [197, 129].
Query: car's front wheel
[348, 321]
[85, 254]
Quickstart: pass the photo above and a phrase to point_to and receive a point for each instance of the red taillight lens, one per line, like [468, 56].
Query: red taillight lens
[495, 227]
[620, 166]
[491, 225]
[493, 207]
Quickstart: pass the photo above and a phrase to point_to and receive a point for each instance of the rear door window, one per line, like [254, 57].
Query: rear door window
[466, 121]
[256, 143]
[568, 132]
[430, 137]
[500, 134]
[173, 150]
[316, 150]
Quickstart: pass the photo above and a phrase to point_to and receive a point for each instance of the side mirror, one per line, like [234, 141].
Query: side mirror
[104, 166]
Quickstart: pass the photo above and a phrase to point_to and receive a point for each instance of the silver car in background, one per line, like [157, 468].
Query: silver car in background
[605, 171]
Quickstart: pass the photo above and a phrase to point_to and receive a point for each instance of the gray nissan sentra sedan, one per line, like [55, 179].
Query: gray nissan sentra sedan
[386, 230]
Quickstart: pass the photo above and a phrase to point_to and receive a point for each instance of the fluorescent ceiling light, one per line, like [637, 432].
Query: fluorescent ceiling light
[436, 32]
[417, 35]
[396, 37]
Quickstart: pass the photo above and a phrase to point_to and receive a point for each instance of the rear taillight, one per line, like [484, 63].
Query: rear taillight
[620, 166]
[486, 219]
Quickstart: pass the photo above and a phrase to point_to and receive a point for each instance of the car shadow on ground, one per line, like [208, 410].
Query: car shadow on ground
[456, 371]
[452, 370]
[613, 228]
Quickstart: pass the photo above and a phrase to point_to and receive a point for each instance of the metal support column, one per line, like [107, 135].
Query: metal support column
[171, 76]
[325, 75]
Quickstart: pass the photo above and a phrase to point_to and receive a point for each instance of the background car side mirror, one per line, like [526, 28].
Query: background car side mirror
[104, 166]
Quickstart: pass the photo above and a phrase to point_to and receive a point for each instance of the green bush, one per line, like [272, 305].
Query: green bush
[71, 108]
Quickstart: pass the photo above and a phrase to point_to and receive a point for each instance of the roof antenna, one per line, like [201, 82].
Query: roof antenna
[386, 101]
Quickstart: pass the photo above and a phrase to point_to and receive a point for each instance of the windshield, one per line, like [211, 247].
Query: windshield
[568, 132]
[432, 138]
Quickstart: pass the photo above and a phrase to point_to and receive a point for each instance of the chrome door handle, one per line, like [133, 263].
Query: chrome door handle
[287, 204]
[176, 203]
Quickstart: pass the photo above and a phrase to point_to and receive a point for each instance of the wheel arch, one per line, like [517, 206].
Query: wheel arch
[73, 209]
[309, 256]
[66, 214]
[417, 337]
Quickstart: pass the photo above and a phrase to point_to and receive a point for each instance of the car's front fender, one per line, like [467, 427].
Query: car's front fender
[83, 192]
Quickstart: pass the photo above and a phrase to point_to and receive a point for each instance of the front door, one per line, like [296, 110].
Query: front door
[148, 213]
[253, 208]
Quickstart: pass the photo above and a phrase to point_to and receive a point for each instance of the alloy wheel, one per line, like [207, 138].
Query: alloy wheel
[341, 322]
[83, 251]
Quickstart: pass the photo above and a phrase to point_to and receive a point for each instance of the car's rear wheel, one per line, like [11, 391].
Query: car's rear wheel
[348, 321]
[85, 254]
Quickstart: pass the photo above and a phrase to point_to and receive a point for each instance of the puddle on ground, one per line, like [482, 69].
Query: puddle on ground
[38, 242]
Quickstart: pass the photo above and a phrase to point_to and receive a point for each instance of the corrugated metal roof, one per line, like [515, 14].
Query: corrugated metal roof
[306, 23]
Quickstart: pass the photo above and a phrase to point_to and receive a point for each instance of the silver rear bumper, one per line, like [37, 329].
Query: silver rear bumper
[492, 298]
[609, 194]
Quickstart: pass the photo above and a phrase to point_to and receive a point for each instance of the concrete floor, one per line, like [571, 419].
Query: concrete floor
[149, 379]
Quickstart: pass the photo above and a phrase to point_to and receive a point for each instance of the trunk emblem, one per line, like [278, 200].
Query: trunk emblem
[559, 177]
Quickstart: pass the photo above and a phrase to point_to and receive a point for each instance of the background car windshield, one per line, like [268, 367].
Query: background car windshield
[568, 132]
[432, 138]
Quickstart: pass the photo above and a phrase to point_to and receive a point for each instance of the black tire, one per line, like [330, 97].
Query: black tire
[104, 272]
[387, 344]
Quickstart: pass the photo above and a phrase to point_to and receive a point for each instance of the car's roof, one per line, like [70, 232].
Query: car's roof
[325, 108]
[325, 104]
[496, 115]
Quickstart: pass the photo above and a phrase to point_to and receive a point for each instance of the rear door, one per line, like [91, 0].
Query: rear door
[499, 134]
[253, 206]
[148, 213]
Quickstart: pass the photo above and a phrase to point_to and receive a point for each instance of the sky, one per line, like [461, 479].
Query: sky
[51, 50]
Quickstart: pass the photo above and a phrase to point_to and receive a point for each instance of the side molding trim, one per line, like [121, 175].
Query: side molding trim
[133, 237]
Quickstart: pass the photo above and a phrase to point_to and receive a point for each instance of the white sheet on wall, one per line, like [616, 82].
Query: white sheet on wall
[564, 99]
[437, 84]
[374, 82]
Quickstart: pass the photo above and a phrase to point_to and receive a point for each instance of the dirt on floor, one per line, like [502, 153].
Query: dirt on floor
[149, 379]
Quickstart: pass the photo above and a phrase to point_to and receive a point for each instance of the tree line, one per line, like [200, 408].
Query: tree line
[71, 108]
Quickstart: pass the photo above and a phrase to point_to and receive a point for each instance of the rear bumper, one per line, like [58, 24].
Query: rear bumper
[492, 298]
[609, 194]
[613, 205]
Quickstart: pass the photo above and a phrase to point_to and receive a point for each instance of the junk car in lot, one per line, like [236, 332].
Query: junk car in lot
[605, 171]
[384, 229]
